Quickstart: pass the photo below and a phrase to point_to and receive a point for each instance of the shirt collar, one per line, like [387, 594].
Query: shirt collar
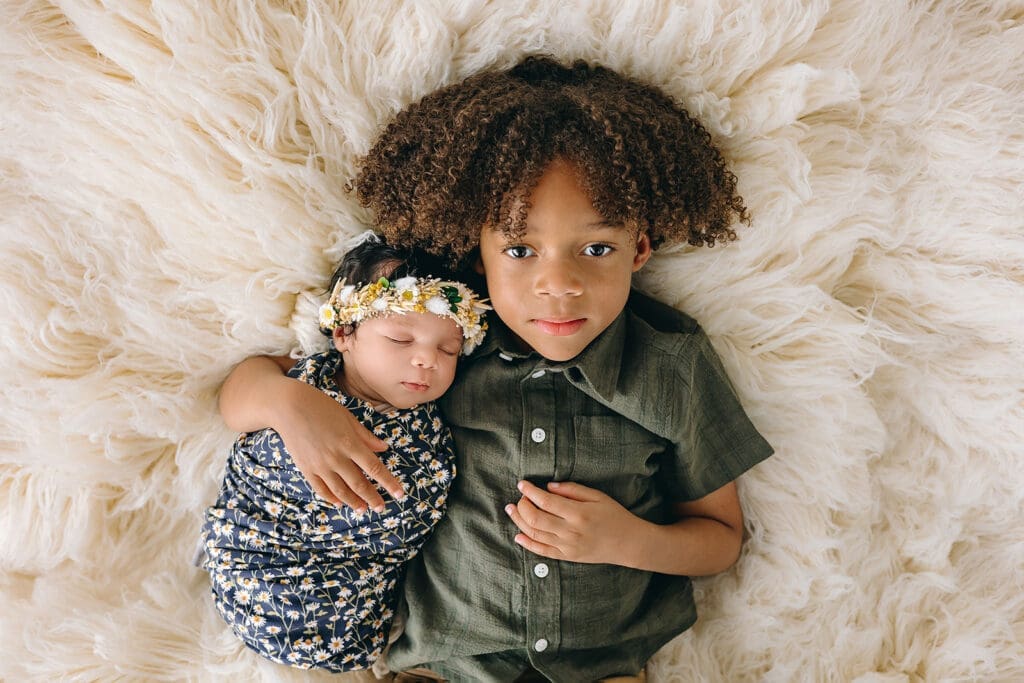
[501, 341]
[597, 365]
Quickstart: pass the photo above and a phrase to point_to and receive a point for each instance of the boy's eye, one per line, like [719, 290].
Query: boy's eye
[519, 251]
[399, 341]
[449, 352]
[598, 249]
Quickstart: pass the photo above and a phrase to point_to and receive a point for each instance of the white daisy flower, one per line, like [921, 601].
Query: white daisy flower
[437, 305]
[406, 289]
[327, 316]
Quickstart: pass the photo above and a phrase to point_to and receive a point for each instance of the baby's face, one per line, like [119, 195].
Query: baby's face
[401, 360]
[567, 279]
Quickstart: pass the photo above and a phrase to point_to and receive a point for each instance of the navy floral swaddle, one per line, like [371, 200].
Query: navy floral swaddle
[305, 583]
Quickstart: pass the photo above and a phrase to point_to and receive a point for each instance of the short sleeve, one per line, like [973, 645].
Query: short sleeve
[716, 441]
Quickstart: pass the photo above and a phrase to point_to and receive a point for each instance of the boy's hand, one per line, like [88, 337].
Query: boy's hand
[573, 522]
[334, 451]
[328, 445]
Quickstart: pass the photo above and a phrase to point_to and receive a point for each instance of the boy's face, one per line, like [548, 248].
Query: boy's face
[401, 360]
[567, 279]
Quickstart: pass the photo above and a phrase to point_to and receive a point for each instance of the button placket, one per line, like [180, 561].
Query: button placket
[541, 583]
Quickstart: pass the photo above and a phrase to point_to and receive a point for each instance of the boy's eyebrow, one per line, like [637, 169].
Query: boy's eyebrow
[605, 223]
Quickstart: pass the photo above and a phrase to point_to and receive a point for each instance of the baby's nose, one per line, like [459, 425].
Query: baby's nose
[425, 359]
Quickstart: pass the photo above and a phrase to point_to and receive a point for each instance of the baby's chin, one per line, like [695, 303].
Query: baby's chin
[406, 403]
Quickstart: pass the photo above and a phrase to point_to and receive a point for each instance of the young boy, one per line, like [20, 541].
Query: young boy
[597, 441]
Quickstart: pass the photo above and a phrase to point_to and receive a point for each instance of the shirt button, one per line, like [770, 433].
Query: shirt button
[540, 569]
[540, 645]
[538, 435]
[539, 373]
[504, 356]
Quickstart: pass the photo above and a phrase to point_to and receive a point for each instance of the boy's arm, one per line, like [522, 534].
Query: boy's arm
[326, 442]
[573, 522]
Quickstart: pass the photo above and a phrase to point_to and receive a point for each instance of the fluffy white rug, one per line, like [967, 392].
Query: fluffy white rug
[172, 184]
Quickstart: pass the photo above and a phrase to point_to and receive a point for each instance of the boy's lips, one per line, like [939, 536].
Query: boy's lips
[559, 328]
[415, 386]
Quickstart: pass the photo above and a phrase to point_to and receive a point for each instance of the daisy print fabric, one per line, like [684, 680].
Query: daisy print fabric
[305, 583]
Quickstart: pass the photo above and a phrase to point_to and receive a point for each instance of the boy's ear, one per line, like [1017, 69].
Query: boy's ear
[643, 251]
[478, 265]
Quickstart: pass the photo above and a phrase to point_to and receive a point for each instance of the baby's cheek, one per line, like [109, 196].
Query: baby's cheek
[449, 377]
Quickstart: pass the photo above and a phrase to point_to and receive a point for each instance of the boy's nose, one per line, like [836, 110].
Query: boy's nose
[559, 278]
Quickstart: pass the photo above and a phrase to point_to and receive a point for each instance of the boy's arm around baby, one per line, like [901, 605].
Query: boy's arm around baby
[569, 521]
[327, 443]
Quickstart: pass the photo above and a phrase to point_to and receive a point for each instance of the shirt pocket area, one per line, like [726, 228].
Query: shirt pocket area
[610, 447]
[621, 459]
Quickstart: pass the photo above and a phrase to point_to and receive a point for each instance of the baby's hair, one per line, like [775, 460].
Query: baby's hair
[374, 258]
[469, 155]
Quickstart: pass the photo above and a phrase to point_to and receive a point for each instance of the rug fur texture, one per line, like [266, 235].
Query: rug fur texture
[172, 198]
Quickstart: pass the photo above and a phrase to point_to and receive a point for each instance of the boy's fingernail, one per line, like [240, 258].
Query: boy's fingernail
[520, 485]
[554, 485]
[508, 509]
[378, 508]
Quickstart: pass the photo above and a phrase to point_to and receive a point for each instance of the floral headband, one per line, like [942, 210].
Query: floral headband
[349, 305]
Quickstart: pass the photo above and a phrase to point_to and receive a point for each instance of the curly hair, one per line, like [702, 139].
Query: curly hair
[470, 154]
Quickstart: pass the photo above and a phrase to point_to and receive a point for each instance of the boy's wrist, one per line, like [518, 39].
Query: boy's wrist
[634, 546]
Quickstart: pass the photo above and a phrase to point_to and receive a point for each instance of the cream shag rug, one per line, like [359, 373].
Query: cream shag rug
[171, 195]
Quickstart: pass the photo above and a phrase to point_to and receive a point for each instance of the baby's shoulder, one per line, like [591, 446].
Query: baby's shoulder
[317, 369]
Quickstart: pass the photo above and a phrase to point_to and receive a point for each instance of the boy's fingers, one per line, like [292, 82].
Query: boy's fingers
[377, 471]
[532, 530]
[366, 436]
[364, 490]
[549, 502]
[340, 494]
[574, 491]
[321, 489]
[364, 454]
[538, 548]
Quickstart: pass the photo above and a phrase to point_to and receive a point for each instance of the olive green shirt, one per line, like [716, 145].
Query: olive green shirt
[645, 414]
